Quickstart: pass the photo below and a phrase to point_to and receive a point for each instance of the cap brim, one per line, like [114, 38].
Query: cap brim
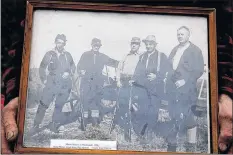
[97, 44]
[145, 40]
[61, 39]
[136, 42]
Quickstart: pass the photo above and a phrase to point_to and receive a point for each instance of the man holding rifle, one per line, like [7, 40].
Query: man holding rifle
[125, 73]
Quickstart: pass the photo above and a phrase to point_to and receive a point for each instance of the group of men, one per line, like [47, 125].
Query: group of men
[151, 81]
[59, 65]
[145, 82]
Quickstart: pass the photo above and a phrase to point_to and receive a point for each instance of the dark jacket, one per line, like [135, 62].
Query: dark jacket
[141, 72]
[94, 69]
[55, 66]
[190, 68]
[191, 65]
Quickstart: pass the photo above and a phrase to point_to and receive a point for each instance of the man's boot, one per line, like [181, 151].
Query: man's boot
[190, 144]
[93, 121]
[100, 119]
[83, 124]
[39, 115]
[127, 134]
[171, 147]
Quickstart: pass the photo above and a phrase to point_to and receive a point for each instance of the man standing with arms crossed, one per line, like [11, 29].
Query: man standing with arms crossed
[187, 66]
[125, 73]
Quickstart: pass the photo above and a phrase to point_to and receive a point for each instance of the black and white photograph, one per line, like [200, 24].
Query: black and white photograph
[118, 81]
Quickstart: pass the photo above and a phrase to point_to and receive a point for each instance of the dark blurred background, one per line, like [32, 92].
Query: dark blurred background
[12, 27]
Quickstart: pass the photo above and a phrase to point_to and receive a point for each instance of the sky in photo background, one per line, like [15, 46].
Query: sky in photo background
[115, 31]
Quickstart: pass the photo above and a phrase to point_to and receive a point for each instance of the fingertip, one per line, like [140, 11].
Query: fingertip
[222, 147]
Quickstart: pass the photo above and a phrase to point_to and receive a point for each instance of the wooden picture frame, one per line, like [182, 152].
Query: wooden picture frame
[33, 5]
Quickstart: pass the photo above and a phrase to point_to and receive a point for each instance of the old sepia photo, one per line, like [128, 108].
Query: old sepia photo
[118, 81]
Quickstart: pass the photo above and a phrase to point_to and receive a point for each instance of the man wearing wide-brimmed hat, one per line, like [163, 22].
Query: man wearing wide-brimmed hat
[58, 82]
[125, 73]
[89, 68]
[148, 86]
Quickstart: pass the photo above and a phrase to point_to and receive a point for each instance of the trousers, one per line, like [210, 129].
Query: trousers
[57, 89]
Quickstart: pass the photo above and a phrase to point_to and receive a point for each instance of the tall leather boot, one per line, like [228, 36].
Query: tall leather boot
[39, 114]
[94, 121]
[127, 133]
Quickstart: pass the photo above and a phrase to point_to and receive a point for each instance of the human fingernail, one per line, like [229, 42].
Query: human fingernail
[222, 146]
[9, 135]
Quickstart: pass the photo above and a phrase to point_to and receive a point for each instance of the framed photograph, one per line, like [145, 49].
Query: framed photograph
[114, 78]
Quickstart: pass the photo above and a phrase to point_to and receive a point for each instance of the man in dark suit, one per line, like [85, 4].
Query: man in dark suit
[186, 66]
[90, 67]
[148, 87]
[58, 83]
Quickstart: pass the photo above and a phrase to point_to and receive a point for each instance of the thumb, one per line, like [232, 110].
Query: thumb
[225, 121]
[9, 119]
[225, 140]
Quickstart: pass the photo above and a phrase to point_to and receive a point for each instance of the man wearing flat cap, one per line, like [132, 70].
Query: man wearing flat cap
[89, 68]
[148, 87]
[60, 66]
[125, 73]
[186, 67]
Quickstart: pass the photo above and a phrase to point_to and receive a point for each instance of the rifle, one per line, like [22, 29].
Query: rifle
[83, 126]
[130, 114]
[114, 120]
[82, 122]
